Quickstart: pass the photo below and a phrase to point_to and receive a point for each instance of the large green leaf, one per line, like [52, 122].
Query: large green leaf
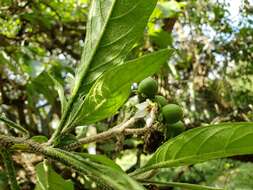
[103, 174]
[102, 160]
[111, 90]
[113, 27]
[42, 84]
[187, 186]
[204, 143]
[48, 179]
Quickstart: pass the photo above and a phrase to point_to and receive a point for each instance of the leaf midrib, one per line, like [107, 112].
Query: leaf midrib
[197, 158]
[85, 70]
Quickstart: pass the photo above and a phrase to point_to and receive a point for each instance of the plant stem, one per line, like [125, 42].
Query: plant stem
[9, 167]
[65, 157]
[119, 129]
[104, 135]
[63, 119]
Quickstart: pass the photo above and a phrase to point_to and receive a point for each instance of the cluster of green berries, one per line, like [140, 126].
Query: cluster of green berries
[172, 114]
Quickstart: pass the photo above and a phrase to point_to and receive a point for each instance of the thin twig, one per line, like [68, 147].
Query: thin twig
[135, 131]
[119, 129]
[108, 134]
[14, 125]
[104, 135]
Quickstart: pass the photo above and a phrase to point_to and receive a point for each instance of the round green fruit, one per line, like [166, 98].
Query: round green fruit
[148, 87]
[161, 100]
[175, 129]
[172, 113]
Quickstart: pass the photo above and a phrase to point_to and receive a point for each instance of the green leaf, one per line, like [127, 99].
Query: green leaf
[169, 9]
[14, 125]
[48, 179]
[111, 90]
[102, 160]
[39, 139]
[3, 181]
[202, 144]
[22, 147]
[33, 68]
[42, 84]
[65, 139]
[103, 174]
[59, 88]
[9, 168]
[180, 185]
[113, 27]
[161, 38]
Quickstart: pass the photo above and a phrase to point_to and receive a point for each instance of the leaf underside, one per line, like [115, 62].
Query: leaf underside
[48, 179]
[99, 170]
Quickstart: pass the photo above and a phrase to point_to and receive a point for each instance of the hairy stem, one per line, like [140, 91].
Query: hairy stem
[67, 158]
[9, 167]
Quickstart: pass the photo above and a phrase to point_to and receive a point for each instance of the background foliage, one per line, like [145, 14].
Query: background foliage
[210, 75]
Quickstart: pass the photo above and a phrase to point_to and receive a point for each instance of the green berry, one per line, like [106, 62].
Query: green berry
[175, 129]
[172, 113]
[161, 100]
[148, 87]
[178, 128]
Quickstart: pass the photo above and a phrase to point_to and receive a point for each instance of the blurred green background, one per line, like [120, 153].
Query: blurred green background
[210, 74]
